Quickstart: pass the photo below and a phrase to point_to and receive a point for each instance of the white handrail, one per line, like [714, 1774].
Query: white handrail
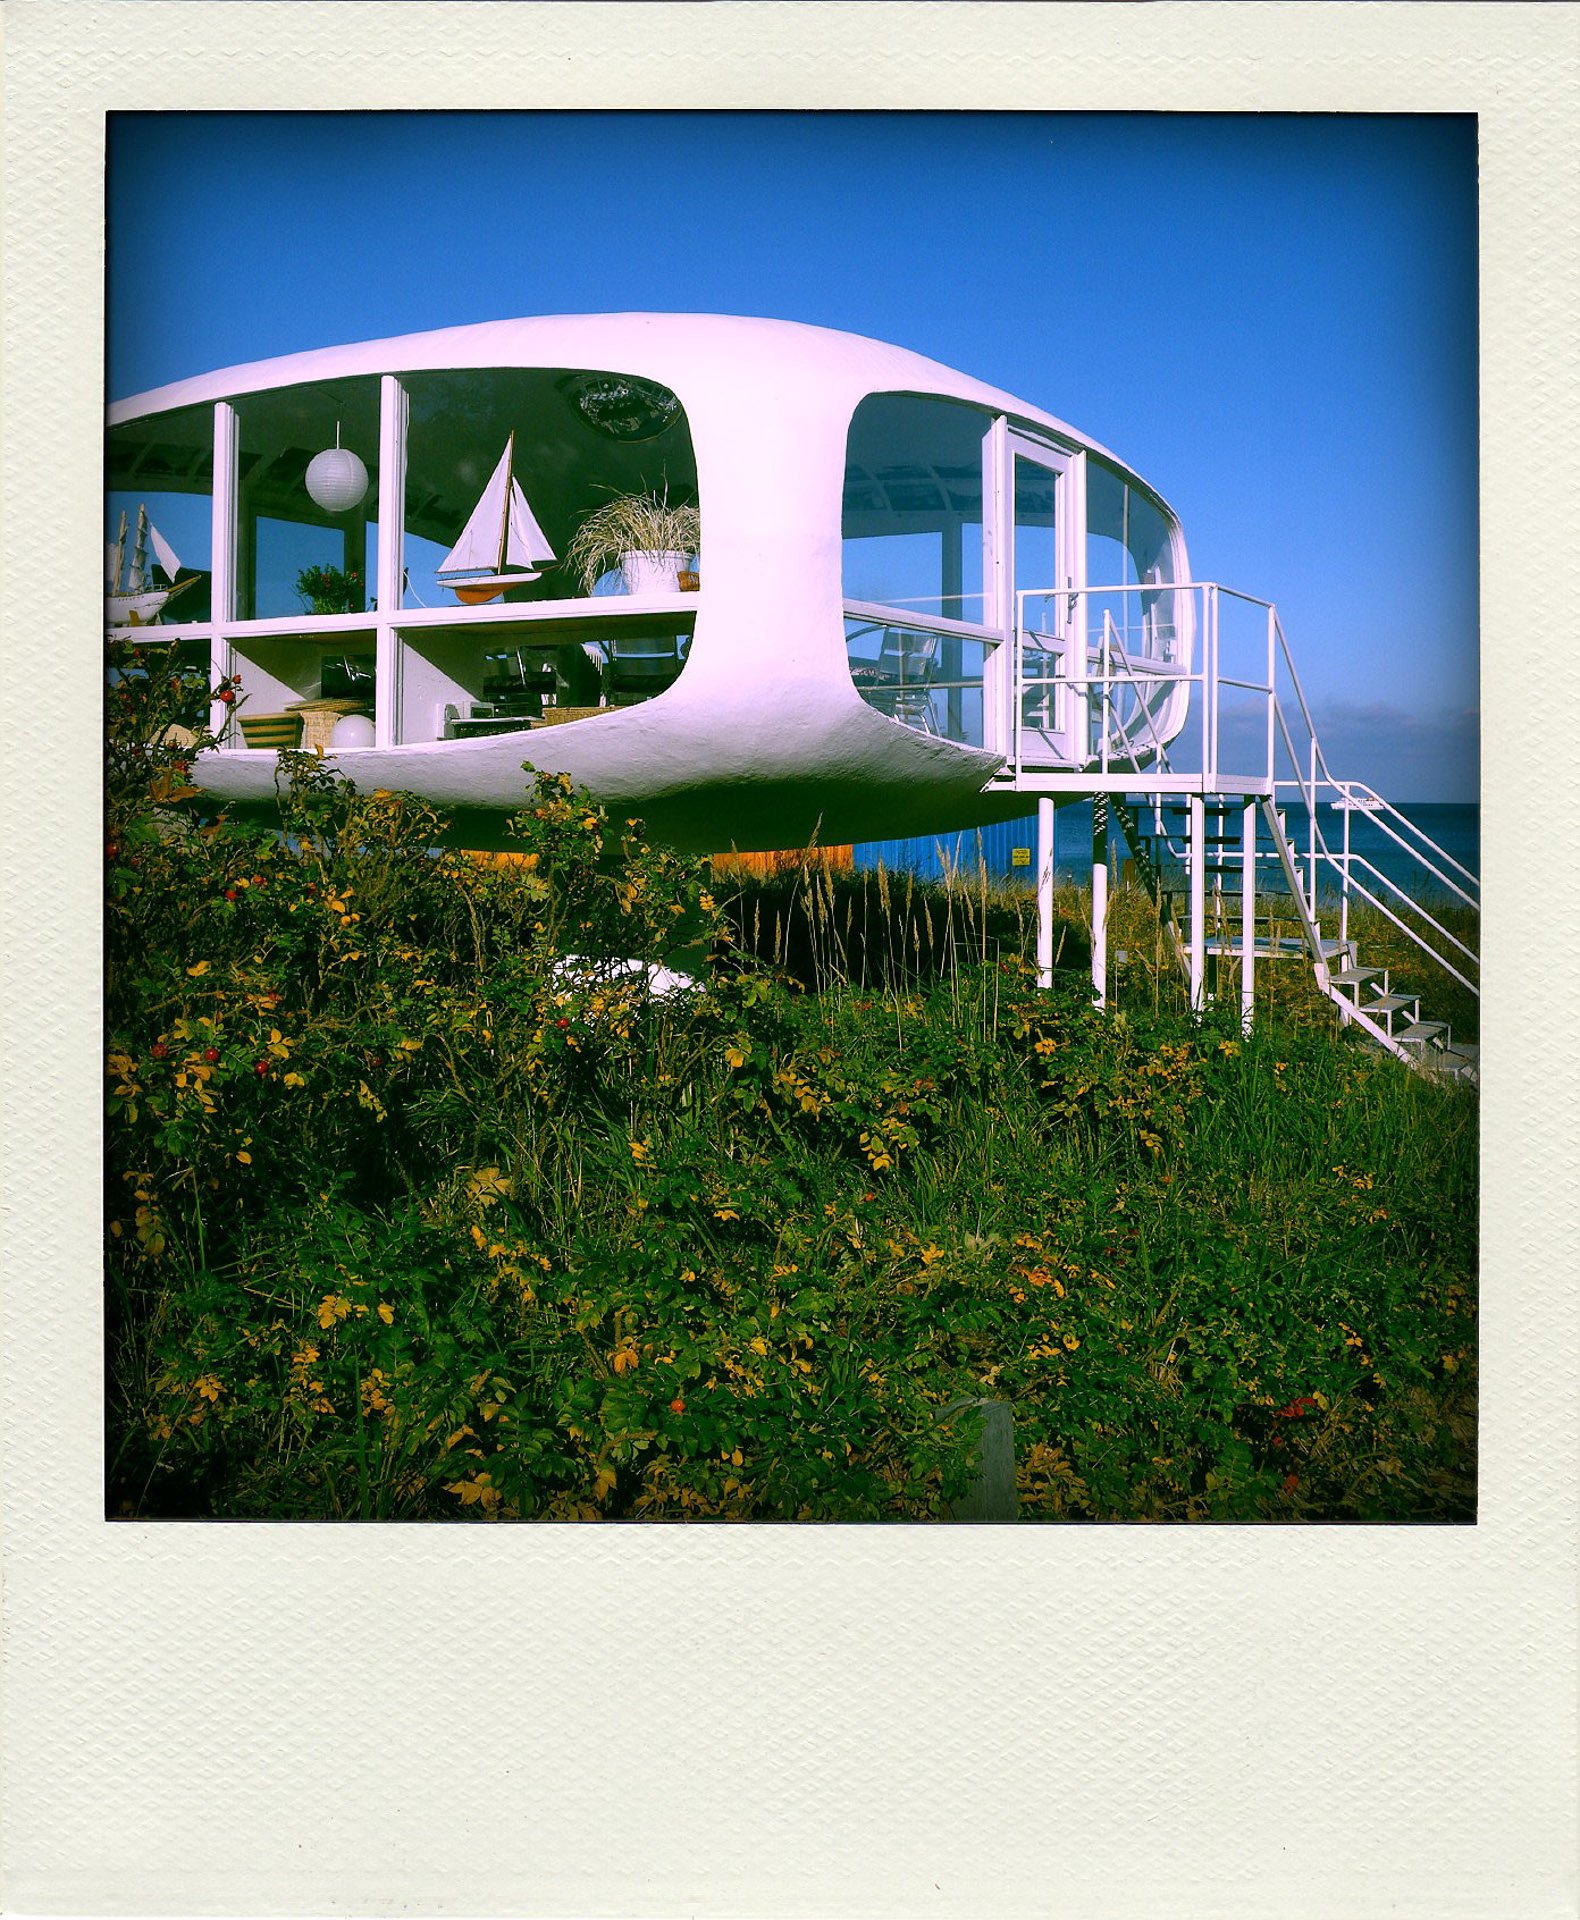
[1290, 727]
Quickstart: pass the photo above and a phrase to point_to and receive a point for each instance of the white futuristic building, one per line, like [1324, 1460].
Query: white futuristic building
[856, 595]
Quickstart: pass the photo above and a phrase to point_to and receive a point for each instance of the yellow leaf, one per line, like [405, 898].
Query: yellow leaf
[245, 1158]
[200, 968]
[386, 1315]
[294, 1080]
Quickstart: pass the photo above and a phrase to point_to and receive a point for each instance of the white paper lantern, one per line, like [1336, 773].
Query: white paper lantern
[356, 730]
[336, 478]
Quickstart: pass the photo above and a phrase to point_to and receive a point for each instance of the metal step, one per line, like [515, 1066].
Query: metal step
[1354, 976]
[1390, 1003]
[1423, 1030]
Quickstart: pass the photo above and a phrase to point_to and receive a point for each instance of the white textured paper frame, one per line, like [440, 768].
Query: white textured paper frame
[574, 1720]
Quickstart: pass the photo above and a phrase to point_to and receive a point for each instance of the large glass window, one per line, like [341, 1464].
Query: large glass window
[1132, 614]
[912, 519]
[307, 499]
[158, 532]
[506, 466]
[912, 545]
[1127, 537]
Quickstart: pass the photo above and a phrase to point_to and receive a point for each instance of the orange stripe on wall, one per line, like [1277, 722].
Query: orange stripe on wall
[794, 860]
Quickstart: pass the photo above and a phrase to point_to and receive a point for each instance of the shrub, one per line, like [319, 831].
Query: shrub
[415, 1215]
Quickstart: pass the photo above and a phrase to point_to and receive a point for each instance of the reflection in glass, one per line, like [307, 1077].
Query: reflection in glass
[926, 680]
[912, 512]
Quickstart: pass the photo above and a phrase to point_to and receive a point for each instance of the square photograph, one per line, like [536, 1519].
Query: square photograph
[807, 857]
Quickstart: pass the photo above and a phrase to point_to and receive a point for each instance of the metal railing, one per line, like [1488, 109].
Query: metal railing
[1110, 721]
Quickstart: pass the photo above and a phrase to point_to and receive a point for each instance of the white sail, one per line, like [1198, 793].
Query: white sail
[500, 532]
[164, 552]
[525, 545]
[482, 538]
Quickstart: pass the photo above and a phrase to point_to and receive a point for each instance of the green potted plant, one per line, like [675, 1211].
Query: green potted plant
[329, 590]
[652, 542]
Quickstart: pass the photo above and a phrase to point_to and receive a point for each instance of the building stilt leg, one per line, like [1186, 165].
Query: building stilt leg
[1198, 903]
[1247, 915]
[1100, 899]
[1044, 892]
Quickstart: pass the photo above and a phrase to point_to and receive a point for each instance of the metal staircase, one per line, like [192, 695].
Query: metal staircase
[1284, 927]
[1233, 820]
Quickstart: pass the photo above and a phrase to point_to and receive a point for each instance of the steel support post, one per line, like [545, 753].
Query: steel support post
[1247, 915]
[1045, 891]
[1100, 899]
[222, 565]
[1198, 903]
[391, 560]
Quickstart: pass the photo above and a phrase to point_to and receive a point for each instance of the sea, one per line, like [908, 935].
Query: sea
[1454, 827]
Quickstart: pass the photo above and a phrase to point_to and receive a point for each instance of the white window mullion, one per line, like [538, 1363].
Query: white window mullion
[394, 412]
[222, 565]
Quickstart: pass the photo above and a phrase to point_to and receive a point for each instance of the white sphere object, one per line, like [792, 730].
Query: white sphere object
[336, 479]
[356, 730]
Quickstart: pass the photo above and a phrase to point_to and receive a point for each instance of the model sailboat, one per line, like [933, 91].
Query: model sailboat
[501, 545]
[139, 598]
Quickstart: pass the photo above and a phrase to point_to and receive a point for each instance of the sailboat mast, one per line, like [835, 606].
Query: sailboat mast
[120, 554]
[139, 552]
[504, 504]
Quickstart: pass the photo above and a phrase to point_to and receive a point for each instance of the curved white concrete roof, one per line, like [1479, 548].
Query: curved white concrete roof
[683, 350]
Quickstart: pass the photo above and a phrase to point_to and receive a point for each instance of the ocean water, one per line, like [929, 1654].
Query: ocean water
[1454, 827]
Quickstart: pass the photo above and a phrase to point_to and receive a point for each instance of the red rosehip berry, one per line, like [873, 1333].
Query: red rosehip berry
[226, 696]
[112, 850]
[562, 1023]
[159, 1050]
[211, 1054]
[230, 893]
[260, 1066]
[677, 1405]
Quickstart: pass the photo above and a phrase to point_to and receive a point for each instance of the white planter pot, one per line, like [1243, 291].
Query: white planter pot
[651, 572]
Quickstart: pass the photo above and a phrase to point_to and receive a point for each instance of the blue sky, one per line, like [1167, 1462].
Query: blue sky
[1273, 318]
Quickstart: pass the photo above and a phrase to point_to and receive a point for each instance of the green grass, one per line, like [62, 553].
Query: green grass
[405, 1224]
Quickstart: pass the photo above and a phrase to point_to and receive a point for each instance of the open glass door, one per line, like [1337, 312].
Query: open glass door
[1043, 555]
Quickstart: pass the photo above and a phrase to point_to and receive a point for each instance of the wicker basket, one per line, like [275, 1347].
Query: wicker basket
[321, 717]
[271, 730]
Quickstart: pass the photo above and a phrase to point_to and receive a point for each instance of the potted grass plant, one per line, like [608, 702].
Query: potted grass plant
[653, 543]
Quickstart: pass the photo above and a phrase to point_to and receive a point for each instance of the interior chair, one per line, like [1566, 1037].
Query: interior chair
[641, 665]
[903, 684]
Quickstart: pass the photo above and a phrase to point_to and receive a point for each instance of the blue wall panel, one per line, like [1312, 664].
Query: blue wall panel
[993, 846]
